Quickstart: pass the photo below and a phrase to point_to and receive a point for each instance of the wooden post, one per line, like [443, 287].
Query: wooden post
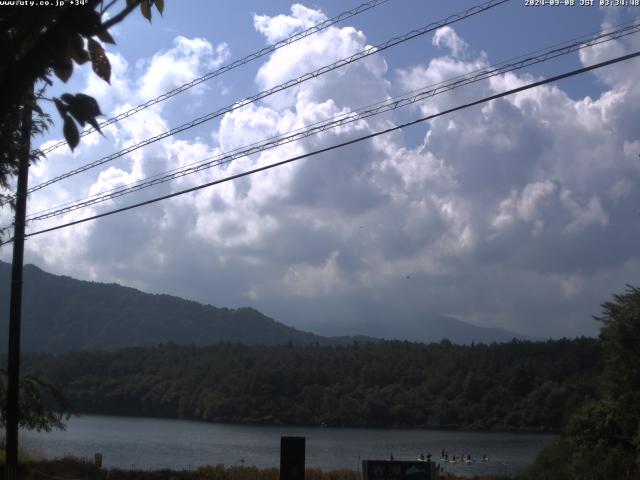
[292, 461]
[15, 312]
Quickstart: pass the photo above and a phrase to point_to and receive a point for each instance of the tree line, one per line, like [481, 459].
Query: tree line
[515, 386]
[601, 439]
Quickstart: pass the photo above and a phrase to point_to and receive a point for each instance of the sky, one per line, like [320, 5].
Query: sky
[521, 213]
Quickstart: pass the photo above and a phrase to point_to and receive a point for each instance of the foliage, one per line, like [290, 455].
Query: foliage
[45, 41]
[23, 456]
[11, 138]
[551, 463]
[620, 336]
[602, 439]
[42, 405]
[70, 467]
[386, 384]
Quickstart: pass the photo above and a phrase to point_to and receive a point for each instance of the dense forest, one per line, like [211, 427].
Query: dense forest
[519, 385]
[601, 439]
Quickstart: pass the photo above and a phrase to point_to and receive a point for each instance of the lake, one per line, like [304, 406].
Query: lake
[149, 443]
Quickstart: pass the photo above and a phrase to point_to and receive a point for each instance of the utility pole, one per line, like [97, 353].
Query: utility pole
[13, 364]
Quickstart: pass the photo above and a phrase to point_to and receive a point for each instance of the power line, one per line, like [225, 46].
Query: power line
[339, 145]
[290, 83]
[237, 63]
[392, 104]
[342, 119]
[519, 62]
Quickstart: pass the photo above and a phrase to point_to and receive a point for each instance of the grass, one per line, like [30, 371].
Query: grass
[23, 457]
[74, 468]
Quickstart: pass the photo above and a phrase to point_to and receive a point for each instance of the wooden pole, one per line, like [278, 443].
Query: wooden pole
[15, 312]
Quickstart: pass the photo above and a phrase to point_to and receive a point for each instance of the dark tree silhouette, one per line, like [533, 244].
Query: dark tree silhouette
[41, 43]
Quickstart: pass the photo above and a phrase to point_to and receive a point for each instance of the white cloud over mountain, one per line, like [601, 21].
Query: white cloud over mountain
[521, 213]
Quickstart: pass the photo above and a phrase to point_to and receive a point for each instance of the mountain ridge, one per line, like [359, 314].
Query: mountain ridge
[62, 314]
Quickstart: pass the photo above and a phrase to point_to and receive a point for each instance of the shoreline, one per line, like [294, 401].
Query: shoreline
[149, 443]
[315, 425]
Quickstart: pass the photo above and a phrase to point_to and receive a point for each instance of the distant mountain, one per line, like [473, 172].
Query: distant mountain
[437, 328]
[63, 314]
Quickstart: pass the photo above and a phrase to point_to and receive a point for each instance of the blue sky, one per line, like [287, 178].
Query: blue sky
[520, 214]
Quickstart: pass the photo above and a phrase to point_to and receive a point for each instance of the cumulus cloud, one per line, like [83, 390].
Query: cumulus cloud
[512, 214]
[316, 51]
[188, 59]
[313, 281]
[447, 37]
[282, 26]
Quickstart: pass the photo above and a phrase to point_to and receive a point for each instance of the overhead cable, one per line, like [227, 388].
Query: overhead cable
[288, 84]
[339, 145]
[230, 66]
[391, 104]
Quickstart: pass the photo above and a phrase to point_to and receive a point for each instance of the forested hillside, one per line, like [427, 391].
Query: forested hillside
[61, 314]
[511, 386]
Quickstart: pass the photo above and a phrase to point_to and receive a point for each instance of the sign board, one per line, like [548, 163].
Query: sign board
[398, 470]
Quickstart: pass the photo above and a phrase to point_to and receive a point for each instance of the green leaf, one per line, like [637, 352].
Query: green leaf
[145, 8]
[37, 109]
[106, 37]
[76, 49]
[83, 108]
[89, 22]
[99, 61]
[88, 104]
[63, 68]
[94, 123]
[160, 6]
[62, 109]
[71, 134]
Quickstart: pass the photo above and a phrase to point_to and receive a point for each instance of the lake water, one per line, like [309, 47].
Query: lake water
[145, 443]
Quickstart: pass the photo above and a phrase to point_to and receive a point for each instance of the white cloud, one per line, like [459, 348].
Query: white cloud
[309, 281]
[109, 94]
[188, 59]
[316, 51]
[447, 37]
[282, 26]
[532, 195]
[513, 213]
[584, 215]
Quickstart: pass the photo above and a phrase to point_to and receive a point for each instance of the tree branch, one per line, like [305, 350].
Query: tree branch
[120, 16]
[111, 4]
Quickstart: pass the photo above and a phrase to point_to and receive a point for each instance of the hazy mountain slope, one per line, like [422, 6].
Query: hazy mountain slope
[424, 329]
[61, 314]
[434, 329]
